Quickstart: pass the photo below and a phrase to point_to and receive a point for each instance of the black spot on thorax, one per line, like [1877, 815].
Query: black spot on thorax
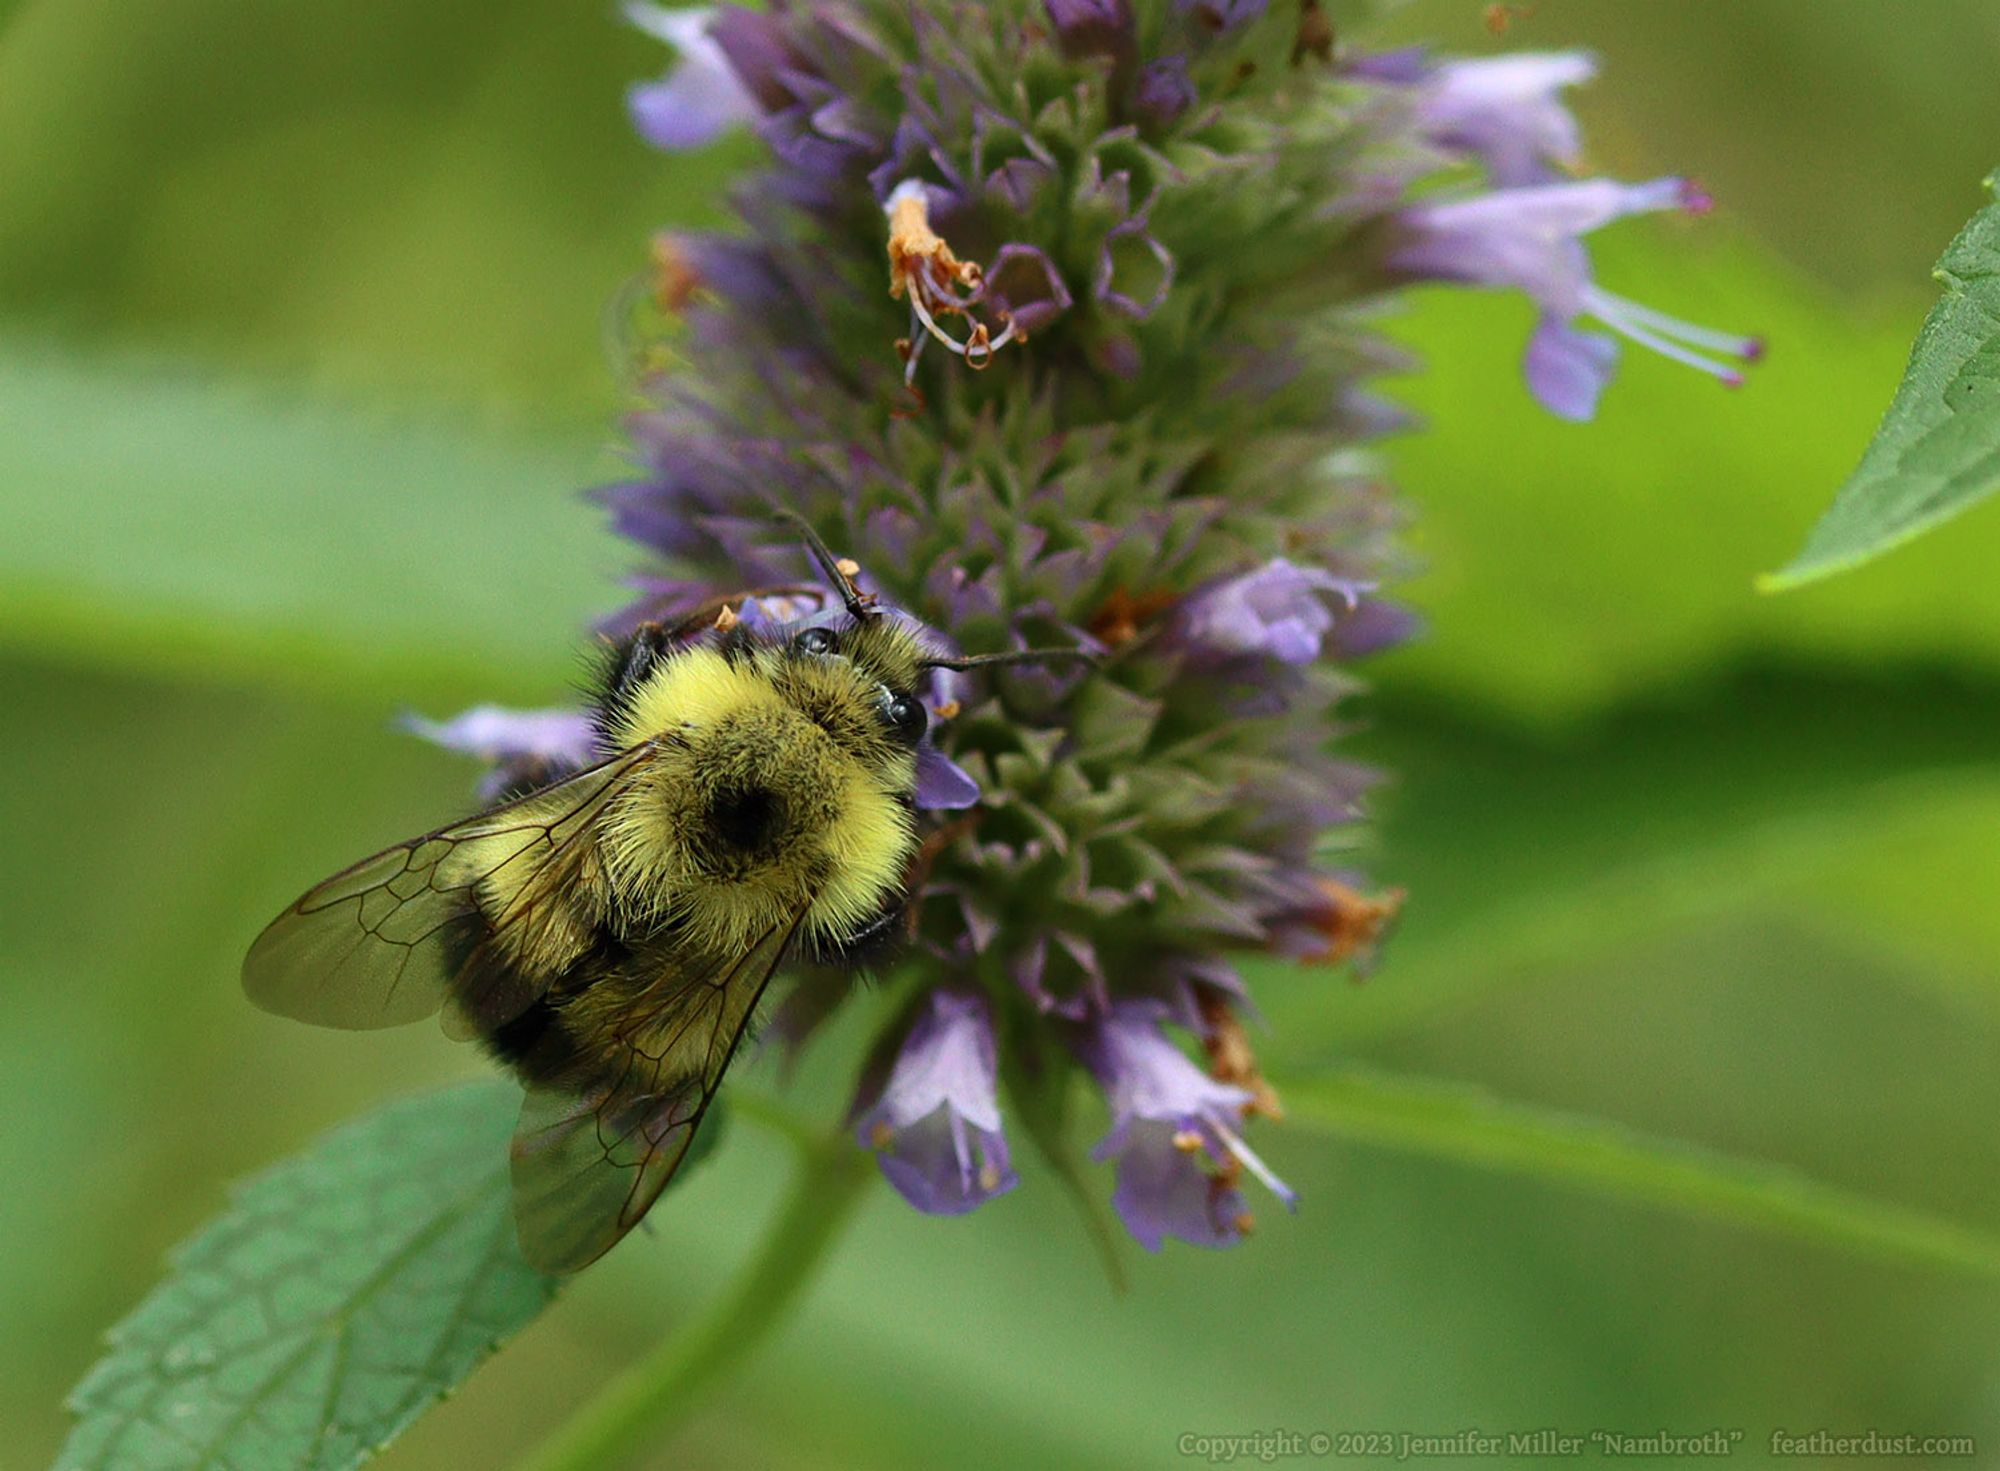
[749, 818]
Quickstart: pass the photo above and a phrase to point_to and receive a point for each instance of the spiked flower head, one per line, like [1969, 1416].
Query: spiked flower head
[1054, 317]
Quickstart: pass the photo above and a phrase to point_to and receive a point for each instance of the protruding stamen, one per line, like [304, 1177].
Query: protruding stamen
[961, 1146]
[1254, 1165]
[1729, 344]
[1650, 329]
[938, 284]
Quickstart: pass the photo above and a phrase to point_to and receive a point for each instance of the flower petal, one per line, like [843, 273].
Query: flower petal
[1163, 1191]
[700, 96]
[935, 1125]
[1277, 611]
[944, 1170]
[495, 733]
[1567, 369]
[942, 784]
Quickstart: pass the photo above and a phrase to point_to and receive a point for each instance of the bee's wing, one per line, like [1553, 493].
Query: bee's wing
[381, 943]
[588, 1167]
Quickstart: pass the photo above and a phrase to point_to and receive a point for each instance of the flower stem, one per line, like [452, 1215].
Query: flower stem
[659, 1391]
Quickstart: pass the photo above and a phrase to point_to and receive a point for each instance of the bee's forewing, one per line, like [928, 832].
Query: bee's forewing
[381, 943]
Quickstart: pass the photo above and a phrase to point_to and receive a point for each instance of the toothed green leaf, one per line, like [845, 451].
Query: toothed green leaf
[340, 1295]
[1937, 451]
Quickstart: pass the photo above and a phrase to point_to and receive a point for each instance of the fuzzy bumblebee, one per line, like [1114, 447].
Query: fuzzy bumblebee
[608, 931]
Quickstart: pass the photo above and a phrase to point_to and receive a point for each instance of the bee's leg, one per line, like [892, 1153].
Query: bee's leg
[896, 925]
[626, 665]
[936, 843]
[635, 657]
[876, 941]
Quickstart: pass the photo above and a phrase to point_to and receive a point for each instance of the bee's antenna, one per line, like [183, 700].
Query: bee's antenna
[859, 604]
[1018, 656]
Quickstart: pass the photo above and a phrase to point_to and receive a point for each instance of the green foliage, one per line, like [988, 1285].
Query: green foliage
[1538, 851]
[338, 1297]
[1937, 452]
[1472, 1127]
[434, 200]
[1564, 569]
[169, 525]
[1714, 867]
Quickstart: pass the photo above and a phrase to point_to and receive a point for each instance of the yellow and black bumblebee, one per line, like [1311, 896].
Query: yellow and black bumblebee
[610, 932]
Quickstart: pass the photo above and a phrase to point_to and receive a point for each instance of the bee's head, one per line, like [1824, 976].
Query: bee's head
[883, 649]
[877, 657]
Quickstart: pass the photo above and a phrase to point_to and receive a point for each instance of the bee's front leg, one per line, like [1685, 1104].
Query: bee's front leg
[875, 943]
[634, 657]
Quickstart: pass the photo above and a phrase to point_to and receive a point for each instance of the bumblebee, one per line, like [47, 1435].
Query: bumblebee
[608, 932]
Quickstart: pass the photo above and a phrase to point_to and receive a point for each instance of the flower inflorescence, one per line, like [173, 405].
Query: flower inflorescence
[1176, 218]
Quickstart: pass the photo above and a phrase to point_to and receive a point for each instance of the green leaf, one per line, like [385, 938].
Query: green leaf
[163, 523]
[1565, 568]
[1937, 451]
[340, 1295]
[1469, 1126]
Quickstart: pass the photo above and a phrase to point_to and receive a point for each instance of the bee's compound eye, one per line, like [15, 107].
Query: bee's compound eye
[905, 717]
[815, 641]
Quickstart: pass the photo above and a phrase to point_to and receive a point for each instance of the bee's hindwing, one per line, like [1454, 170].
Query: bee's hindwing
[589, 1163]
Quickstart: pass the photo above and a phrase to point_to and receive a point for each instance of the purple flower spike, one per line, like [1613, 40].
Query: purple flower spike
[936, 1125]
[701, 96]
[1165, 91]
[1169, 1121]
[1091, 27]
[1507, 111]
[1066, 182]
[1530, 239]
[1278, 611]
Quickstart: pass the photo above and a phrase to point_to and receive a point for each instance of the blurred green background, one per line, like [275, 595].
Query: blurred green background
[300, 361]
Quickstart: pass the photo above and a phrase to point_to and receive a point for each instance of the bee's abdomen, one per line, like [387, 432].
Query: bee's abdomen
[534, 1042]
[525, 1036]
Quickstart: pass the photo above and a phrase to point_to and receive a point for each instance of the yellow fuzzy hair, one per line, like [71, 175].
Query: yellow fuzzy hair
[852, 841]
[542, 893]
